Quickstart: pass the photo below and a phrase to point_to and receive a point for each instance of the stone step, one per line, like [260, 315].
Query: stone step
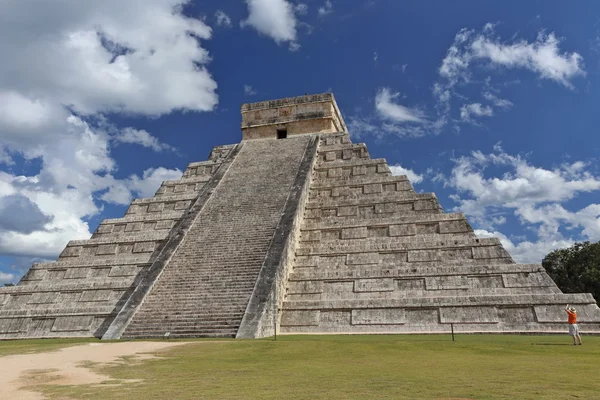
[96, 261]
[222, 333]
[361, 180]
[188, 196]
[151, 217]
[325, 223]
[468, 301]
[125, 237]
[349, 163]
[374, 199]
[404, 271]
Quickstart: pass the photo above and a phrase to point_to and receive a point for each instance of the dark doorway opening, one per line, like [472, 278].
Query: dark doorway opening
[281, 133]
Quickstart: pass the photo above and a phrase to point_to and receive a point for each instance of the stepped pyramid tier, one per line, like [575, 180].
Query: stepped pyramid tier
[297, 230]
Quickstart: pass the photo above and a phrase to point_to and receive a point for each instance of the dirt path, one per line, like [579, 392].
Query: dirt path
[65, 366]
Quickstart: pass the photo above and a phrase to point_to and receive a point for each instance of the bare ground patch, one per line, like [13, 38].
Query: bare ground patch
[20, 374]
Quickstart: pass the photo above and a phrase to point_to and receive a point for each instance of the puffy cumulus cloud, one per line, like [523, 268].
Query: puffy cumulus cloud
[139, 56]
[222, 19]
[275, 19]
[65, 66]
[410, 174]
[140, 137]
[541, 56]
[468, 111]
[473, 51]
[123, 191]
[19, 214]
[7, 277]
[536, 196]
[388, 108]
[526, 251]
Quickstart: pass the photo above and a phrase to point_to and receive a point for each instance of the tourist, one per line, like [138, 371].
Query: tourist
[573, 329]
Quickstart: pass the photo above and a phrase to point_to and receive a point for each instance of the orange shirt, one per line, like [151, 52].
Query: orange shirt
[572, 317]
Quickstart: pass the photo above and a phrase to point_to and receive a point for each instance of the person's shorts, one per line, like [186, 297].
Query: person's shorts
[573, 330]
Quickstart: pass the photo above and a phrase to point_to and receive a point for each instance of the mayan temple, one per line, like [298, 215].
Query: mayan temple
[294, 229]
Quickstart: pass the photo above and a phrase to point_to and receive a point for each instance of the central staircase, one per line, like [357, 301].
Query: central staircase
[205, 288]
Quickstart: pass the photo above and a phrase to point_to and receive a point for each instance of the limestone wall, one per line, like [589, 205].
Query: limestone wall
[298, 115]
[375, 257]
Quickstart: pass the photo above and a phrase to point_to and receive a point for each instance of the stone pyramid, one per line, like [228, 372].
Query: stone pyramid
[305, 234]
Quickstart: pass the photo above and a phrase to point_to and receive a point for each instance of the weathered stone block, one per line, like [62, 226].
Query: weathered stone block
[384, 316]
[105, 228]
[134, 227]
[454, 226]
[95, 295]
[421, 205]
[106, 249]
[374, 188]
[489, 252]
[123, 270]
[447, 282]
[76, 273]
[71, 252]
[423, 255]
[469, 315]
[300, 318]
[359, 170]
[403, 230]
[156, 207]
[354, 233]
[72, 323]
[374, 285]
[43, 298]
[363, 258]
[144, 247]
[14, 325]
[347, 211]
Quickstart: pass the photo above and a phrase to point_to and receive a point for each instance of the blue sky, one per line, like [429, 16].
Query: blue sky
[492, 105]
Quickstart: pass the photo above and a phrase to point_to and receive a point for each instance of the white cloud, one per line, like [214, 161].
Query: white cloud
[66, 65]
[390, 110]
[135, 57]
[526, 251]
[124, 191]
[273, 18]
[496, 101]
[472, 52]
[326, 8]
[468, 111]
[223, 19]
[249, 90]
[7, 278]
[536, 196]
[541, 56]
[410, 174]
[301, 9]
[360, 127]
[141, 137]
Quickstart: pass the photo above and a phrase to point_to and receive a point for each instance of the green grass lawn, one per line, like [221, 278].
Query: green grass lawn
[361, 367]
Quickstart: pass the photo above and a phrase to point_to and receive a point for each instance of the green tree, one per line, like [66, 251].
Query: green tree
[576, 269]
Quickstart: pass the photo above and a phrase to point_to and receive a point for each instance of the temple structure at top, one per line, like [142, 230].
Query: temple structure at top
[295, 229]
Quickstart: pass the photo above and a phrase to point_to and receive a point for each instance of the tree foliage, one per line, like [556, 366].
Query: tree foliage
[576, 269]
